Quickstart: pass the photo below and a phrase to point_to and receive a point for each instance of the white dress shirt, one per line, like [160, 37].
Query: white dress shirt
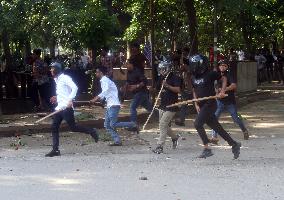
[109, 92]
[66, 91]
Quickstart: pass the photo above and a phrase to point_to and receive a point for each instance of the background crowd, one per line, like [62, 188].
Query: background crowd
[35, 71]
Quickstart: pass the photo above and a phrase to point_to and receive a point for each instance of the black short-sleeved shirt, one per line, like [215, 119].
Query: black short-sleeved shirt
[138, 61]
[204, 85]
[135, 77]
[167, 96]
[230, 99]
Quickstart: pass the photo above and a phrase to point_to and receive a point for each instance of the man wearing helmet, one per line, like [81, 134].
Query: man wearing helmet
[169, 95]
[66, 91]
[203, 86]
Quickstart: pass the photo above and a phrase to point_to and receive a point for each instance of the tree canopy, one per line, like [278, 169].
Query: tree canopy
[93, 24]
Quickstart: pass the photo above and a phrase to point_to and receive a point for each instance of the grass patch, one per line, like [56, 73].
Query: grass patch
[105, 137]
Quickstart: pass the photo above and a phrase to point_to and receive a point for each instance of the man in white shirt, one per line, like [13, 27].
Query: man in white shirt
[110, 94]
[66, 91]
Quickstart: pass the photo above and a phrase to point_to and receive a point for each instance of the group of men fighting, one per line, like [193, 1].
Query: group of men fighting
[201, 79]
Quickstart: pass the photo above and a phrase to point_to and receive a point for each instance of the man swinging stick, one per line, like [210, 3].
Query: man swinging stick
[66, 91]
[203, 86]
[228, 103]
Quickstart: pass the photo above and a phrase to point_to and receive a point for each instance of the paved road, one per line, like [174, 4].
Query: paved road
[88, 171]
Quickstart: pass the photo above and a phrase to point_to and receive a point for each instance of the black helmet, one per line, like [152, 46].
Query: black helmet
[198, 64]
[57, 67]
[165, 67]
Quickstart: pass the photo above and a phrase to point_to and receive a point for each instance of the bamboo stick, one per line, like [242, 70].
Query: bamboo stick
[194, 100]
[51, 114]
[156, 102]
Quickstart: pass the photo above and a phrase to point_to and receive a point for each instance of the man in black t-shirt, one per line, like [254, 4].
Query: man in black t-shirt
[228, 103]
[169, 95]
[203, 86]
[138, 59]
[137, 85]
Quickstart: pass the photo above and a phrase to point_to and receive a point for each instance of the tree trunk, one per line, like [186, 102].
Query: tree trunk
[11, 88]
[283, 38]
[28, 48]
[192, 21]
[172, 39]
[7, 51]
[1, 79]
[93, 51]
[109, 6]
[124, 19]
[245, 26]
[52, 46]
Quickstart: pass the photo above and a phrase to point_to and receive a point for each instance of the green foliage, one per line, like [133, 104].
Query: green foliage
[75, 24]
[263, 20]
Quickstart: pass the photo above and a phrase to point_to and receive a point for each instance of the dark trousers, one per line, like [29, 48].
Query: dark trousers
[44, 91]
[184, 109]
[269, 71]
[261, 76]
[207, 116]
[279, 71]
[68, 116]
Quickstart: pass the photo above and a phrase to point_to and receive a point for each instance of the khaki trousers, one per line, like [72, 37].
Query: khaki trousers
[165, 118]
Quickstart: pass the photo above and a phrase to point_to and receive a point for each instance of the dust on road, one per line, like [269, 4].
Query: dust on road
[87, 170]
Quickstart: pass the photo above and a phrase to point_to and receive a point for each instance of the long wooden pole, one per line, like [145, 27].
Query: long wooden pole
[156, 103]
[193, 100]
[51, 114]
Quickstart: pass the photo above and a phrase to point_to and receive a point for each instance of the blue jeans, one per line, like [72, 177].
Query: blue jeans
[111, 123]
[139, 99]
[231, 108]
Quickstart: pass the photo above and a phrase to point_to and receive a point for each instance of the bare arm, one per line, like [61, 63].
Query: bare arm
[224, 86]
[231, 87]
[171, 88]
[195, 103]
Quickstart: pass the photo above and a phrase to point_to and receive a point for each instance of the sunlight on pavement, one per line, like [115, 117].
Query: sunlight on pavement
[63, 181]
[269, 125]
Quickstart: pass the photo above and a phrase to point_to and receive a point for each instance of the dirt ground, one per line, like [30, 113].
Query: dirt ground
[85, 112]
[87, 170]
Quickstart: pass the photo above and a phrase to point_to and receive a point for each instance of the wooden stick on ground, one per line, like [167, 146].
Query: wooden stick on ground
[193, 100]
[51, 114]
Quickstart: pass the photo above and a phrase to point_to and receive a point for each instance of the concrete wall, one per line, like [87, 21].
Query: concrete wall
[246, 76]
[117, 75]
[246, 80]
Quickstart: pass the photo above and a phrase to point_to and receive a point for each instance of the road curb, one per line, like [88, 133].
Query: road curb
[41, 128]
[242, 100]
